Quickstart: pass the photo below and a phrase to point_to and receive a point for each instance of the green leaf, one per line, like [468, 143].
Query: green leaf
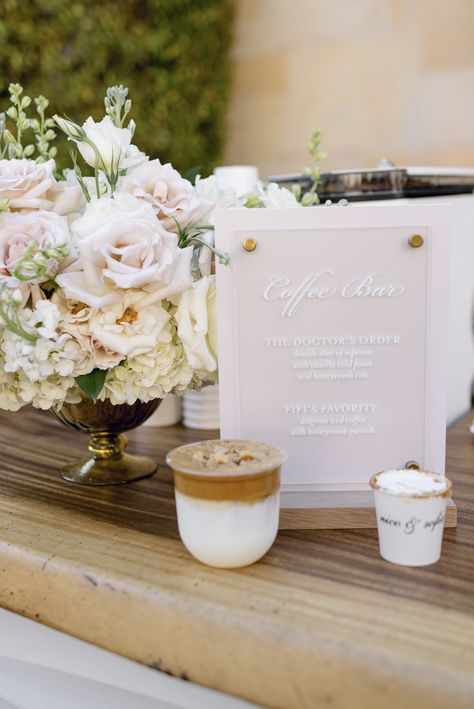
[192, 174]
[92, 383]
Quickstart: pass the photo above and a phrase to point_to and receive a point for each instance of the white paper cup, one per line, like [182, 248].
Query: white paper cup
[410, 523]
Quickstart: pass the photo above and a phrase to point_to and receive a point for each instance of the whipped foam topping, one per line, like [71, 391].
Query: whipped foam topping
[227, 457]
[410, 482]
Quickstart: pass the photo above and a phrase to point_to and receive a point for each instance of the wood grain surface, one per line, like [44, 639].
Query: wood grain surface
[321, 621]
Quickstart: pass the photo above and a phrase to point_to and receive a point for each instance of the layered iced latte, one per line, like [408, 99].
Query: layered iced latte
[227, 499]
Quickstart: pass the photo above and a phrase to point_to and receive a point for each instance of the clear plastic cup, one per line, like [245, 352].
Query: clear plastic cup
[411, 508]
[227, 499]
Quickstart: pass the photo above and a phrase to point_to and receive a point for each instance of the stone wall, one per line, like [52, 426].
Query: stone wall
[382, 78]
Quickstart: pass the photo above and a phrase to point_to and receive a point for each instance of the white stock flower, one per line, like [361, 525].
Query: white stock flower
[25, 184]
[53, 353]
[173, 198]
[129, 327]
[208, 189]
[122, 245]
[277, 197]
[196, 318]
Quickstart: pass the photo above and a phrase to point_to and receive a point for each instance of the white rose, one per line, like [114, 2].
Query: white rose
[196, 318]
[113, 145]
[274, 196]
[75, 319]
[130, 327]
[173, 199]
[122, 245]
[18, 230]
[25, 183]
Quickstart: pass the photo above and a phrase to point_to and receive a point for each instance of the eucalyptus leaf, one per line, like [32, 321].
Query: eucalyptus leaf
[92, 383]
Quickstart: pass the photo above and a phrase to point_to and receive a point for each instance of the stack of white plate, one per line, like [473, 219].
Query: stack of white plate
[201, 408]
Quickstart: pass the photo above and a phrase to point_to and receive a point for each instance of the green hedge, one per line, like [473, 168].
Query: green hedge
[172, 54]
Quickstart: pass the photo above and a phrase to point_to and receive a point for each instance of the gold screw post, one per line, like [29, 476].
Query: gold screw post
[412, 465]
[415, 241]
[249, 244]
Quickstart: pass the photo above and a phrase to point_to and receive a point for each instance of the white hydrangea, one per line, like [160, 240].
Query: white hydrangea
[9, 399]
[155, 374]
[50, 392]
[17, 390]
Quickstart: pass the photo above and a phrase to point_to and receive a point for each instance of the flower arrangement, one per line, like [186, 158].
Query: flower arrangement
[105, 272]
[105, 280]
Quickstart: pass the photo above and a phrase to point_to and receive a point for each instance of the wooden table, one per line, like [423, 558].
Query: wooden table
[322, 621]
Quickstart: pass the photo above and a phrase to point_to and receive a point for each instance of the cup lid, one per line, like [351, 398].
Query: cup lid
[226, 458]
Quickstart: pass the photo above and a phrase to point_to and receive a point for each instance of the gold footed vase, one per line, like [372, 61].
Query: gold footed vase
[105, 424]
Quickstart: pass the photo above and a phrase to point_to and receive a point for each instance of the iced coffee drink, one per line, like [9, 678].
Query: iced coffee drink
[227, 499]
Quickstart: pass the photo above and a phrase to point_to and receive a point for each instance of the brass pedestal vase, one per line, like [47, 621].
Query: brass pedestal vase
[105, 424]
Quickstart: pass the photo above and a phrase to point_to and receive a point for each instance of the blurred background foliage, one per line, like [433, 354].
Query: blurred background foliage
[172, 54]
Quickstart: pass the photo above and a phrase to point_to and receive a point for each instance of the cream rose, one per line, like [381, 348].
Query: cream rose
[66, 196]
[173, 199]
[196, 318]
[75, 319]
[122, 245]
[25, 184]
[44, 229]
[130, 327]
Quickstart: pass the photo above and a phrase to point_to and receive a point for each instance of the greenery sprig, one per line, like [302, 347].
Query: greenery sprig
[36, 260]
[192, 235]
[10, 302]
[22, 123]
[118, 106]
[13, 142]
[3, 143]
[43, 128]
[310, 197]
